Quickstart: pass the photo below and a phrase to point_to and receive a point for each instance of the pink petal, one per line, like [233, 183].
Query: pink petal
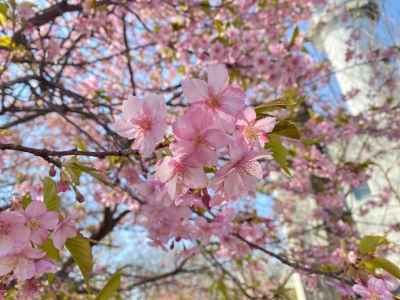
[218, 77]
[183, 129]
[249, 182]
[238, 149]
[377, 285]
[199, 119]
[166, 170]
[195, 178]
[154, 105]
[7, 264]
[249, 114]
[6, 245]
[44, 266]
[216, 138]
[35, 209]
[124, 128]
[195, 90]
[232, 101]
[233, 185]
[25, 269]
[266, 124]
[39, 236]
[12, 217]
[182, 148]
[172, 187]
[224, 121]
[49, 220]
[21, 235]
[33, 253]
[202, 155]
[132, 108]
[58, 239]
[145, 145]
[158, 130]
[361, 290]
[253, 168]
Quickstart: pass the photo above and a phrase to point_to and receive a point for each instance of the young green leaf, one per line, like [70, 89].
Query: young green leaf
[287, 128]
[370, 243]
[382, 263]
[50, 196]
[3, 13]
[51, 251]
[279, 152]
[81, 252]
[110, 288]
[26, 200]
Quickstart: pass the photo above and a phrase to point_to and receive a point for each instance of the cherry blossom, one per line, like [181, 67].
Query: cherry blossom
[254, 130]
[40, 221]
[64, 230]
[197, 138]
[143, 121]
[241, 174]
[217, 96]
[178, 176]
[25, 264]
[14, 235]
[375, 290]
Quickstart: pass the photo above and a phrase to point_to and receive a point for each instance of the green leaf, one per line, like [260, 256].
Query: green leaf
[273, 105]
[51, 251]
[81, 252]
[50, 196]
[76, 168]
[26, 200]
[220, 289]
[310, 142]
[111, 287]
[279, 152]
[287, 128]
[6, 42]
[382, 263]
[329, 268]
[295, 34]
[50, 278]
[219, 26]
[369, 243]
[3, 13]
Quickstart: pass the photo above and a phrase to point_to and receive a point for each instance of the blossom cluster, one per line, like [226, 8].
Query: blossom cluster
[217, 132]
[23, 233]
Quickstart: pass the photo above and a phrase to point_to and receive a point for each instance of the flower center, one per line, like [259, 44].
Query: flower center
[144, 123]
[213, 102]
[34, 224]
[375, 296]
[250, 133]
[199, 140]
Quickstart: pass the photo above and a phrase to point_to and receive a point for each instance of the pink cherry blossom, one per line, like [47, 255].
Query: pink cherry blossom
[240, 174]
[14, 235]
[30, 289]
[197, 138]
[217, 96]
[178, 176]
[153, 191]
[376, 289]
[25, 264]
[64, 230]
[40, 221]
[254, 130]
[143, 121]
